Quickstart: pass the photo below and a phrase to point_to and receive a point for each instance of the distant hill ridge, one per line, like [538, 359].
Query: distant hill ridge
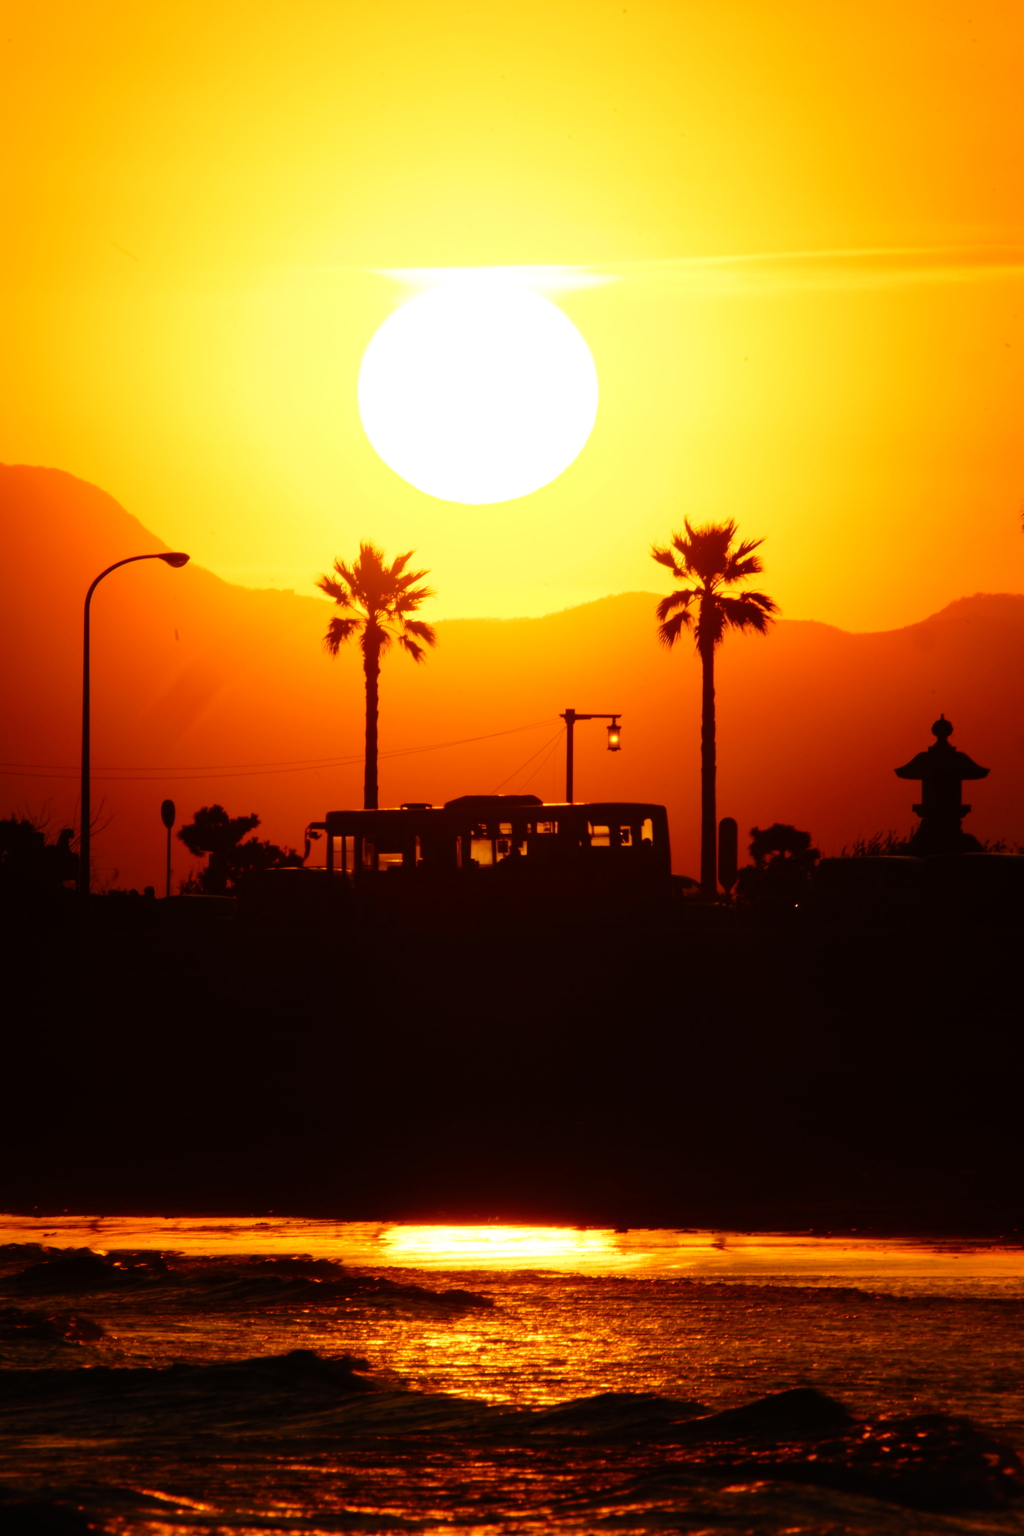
[194, 675]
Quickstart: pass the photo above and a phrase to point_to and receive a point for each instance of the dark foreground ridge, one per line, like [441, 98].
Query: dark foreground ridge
[927, 1462]
[710, 1072]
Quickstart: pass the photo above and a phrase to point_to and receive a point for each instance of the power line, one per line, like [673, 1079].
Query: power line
[541, 764]
[246, 770]
[555, 738]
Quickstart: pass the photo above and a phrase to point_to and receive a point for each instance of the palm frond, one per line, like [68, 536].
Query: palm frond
[405, 602]
[751, 611]
[341, 594]
[410, 576]
[370, 555]
[746, 547]
[707, 549]
[681, 598]
[415, 651]
[667, 558]
[763, 601]
[698, 531]
[338, 631]
[424, 632]
[671, 629]
[368, 575]
[740, 570]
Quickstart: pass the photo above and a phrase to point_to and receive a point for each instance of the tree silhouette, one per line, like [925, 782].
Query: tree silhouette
[212, 831]
[379, 599]
[707, 558]
[783, 864]
[28, 861]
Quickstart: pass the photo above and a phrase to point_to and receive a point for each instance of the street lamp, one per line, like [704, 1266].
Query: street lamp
[614, 742]
[177, 560]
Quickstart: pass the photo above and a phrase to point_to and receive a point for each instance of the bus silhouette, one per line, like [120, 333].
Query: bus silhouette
[501, 856]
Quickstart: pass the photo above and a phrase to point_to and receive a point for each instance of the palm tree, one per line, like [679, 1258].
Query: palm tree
[380, 599]
[706, 557]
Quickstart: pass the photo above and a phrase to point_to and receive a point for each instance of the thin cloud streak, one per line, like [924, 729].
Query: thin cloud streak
[866, 268]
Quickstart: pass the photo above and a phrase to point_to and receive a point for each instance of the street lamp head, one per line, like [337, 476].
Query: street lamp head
[614, 737]
[176, 559]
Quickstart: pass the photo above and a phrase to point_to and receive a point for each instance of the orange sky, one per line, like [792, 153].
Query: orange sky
[201, 198]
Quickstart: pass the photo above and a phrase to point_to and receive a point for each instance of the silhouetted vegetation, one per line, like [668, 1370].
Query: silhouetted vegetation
[879, 845]
[783, 865]
[230, 860]
[1002, 845]
[29, 862]
[706, 557]
[381, 598]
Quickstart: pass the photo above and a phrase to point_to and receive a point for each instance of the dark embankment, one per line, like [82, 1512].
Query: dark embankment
[690, 1070]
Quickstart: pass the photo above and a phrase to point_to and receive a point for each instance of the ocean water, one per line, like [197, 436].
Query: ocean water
[468, 1344]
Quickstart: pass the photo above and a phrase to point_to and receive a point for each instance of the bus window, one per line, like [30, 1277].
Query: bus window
[369, 854]
[647, 833]
[389, 860]
[600, 836]
[546, 828]
[481, 847]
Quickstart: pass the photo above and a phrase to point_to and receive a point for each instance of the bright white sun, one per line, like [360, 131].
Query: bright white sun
[478, 391]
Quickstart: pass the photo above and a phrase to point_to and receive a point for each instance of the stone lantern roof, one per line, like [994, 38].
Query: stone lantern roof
[942, 760]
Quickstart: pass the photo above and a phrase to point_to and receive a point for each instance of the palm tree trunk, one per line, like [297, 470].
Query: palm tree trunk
[371, 670]
[708, 808]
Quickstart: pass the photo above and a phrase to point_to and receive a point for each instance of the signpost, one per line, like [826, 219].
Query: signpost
[728, 853]
[167, 815]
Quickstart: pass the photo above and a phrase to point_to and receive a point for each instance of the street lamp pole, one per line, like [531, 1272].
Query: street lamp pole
[177, 560]
[614, 741]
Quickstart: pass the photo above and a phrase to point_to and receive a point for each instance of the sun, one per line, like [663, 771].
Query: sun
[478, 391]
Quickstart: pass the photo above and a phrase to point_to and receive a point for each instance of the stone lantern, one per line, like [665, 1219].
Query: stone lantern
[942, 770]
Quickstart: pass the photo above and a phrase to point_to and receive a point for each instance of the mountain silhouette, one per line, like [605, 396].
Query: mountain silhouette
[202, 690]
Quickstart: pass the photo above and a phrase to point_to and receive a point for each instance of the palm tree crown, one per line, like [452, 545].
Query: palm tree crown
[376, 600]
[381, 598]
[705, 556]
